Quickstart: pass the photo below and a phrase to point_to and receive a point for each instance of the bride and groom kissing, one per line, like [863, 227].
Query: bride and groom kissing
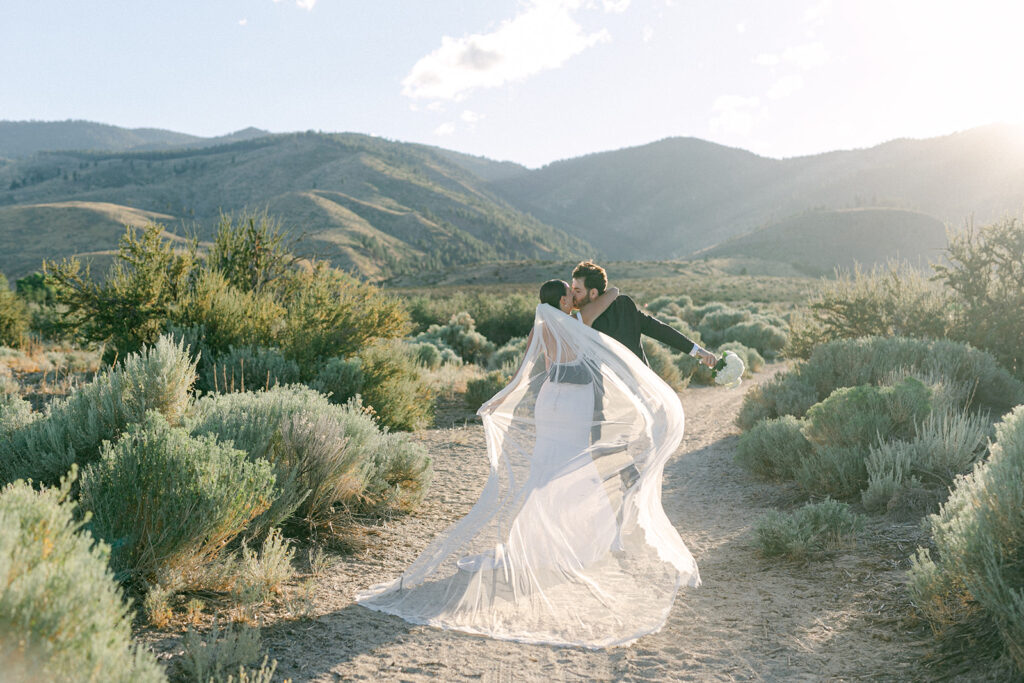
[568, 543]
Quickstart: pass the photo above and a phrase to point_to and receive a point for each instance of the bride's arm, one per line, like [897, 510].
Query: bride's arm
[590, 312]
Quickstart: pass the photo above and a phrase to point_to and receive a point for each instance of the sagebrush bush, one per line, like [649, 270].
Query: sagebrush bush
[170, 502]
[498, 318]
[394, 387]
[340, 379]
[758, 334]
[752, 360]
[247, 368]
[62, 617]
[661, 361]
[723, 318]
[909, 477]
[787, 393]
[220, 655]
[480, 390]
[838, 471]
[346, 460]
[511, 354]
[428, 355]
[861, 416]
[72, 429]
[460, 335]
[809, 531]
[15, 413]
[970, 588]
[774, 448]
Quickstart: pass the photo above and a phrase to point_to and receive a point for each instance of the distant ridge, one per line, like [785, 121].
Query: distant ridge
[19, 139]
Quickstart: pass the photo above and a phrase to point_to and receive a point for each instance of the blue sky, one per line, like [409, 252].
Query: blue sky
[530, 81]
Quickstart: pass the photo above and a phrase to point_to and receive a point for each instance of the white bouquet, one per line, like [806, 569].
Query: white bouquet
[728, 371]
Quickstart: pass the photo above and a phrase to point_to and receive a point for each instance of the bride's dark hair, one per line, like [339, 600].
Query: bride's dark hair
[552, 291]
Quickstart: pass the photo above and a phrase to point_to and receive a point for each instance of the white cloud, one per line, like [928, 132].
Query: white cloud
[616, 6]
[542, 36]
[301, 4]
[243, 22]
[741, 28]
[815, 14]
[785, 86]
[471, 116]
[734, 114]
[445, 129]
[648, 35]
[805, 57]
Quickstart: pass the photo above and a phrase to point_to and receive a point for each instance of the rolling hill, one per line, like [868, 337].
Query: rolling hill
[675, 197]
[816, 242]
[373, 206]
[383, 208]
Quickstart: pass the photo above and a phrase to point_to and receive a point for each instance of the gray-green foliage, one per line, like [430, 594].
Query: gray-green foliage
[14, 316]
[221, 654]
[480, 390]
[324, 455]
[985, 273]
[62, 617]
[908, 476]
[73, 428]
[428, 355]
[969, 589]
[460, 334]
[247, 367]
[511, 354]
[974, 374]
[340, 379]
[394, 386]
[774, 448]
[15, 413]
[809, 531]
[752, 360]
[169, 502]
[661, 361]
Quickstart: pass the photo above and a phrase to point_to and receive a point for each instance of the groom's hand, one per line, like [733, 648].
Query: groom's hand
[707, 358]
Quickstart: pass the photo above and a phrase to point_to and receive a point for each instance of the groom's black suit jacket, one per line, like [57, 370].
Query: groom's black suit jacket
[625, 322]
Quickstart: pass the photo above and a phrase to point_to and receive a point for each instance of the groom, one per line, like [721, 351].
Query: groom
[624, 321]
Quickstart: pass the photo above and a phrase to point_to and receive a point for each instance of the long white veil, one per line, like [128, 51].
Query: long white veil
[568, 543]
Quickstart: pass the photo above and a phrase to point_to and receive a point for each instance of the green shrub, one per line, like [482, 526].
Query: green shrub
[250, 250]
[156, 378]
[670, 304]
[838, 471]
[498, 318]
[985, 272]
[169, 502]
[340, 379]
[14, 316]
[787, 393]
[218, 656]
[480, 390]
[248, 366]
[460, 335]
[62, 615]
[758, 334]
[394, 387]
[752, 360]
[774, 448]
[723, 318]
[887, 301]
[907, 477]
[336, 455]
[222, 316]
[661, 361]
[511, 354]
[15, 413]
[812, 530]
[331, 314]
[970, 588]
[428, 355]
[131, 308]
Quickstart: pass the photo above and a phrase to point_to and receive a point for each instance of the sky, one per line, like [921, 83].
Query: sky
[530, 81]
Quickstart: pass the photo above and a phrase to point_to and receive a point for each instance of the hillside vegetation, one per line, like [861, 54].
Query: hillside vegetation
[816, 242]
[372, 206]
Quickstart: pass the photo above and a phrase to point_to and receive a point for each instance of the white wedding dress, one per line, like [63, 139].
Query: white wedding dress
[568, 543]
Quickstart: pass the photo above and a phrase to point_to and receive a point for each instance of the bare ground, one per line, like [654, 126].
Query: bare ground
[842, 618]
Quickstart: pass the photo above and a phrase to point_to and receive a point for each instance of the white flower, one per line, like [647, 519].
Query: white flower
[731, 373]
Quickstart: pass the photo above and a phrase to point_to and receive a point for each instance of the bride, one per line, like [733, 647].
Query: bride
[566, 545]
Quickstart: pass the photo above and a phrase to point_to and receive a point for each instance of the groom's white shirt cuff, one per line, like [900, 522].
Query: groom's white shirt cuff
[695, 351]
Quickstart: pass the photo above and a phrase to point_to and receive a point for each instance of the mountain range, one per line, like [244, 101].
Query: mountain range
[383, 208]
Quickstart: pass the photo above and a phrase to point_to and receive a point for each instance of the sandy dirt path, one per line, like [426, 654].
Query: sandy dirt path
[844, 618]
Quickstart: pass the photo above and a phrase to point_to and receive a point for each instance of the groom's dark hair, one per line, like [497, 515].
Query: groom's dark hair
[593, 276]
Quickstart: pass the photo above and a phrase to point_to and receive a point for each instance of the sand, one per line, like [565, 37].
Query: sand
[845, 617]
